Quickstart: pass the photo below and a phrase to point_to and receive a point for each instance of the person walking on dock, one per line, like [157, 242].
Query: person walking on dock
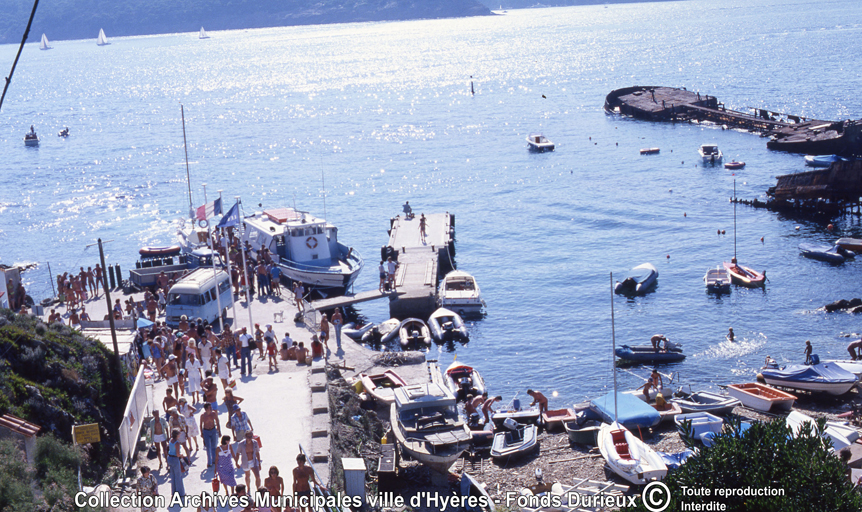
[245, 351]
[174, 469]
[422, 227]
[210, 431]
[337, 321]
[301, 475]
[382, 270]
[324, 330]
[391, 267]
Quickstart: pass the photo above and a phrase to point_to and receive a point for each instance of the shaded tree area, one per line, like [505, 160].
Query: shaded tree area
[82, 19]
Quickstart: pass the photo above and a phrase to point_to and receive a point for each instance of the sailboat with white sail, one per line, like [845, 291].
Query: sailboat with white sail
[44, 44]
[203, 34]
[102, 40]
[627, 456]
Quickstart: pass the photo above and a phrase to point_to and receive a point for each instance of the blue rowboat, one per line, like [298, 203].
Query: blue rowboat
[647, 354]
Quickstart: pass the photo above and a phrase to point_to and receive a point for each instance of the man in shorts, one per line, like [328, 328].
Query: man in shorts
[210, 390]
[224, 372]
[170, 371]
[159, 432]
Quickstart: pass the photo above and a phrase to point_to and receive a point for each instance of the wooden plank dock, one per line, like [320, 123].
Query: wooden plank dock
[421, 261]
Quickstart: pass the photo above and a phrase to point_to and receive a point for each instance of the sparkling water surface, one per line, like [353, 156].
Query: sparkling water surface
[352, 120]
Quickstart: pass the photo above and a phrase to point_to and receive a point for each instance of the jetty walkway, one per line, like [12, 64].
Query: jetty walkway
[421, 262]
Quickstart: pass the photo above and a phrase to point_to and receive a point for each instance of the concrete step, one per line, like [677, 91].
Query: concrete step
[317, 383]
[320, 449]
[320, 424]
[319, 403]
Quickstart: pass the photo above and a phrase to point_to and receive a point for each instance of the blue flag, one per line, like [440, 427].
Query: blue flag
[231, 219]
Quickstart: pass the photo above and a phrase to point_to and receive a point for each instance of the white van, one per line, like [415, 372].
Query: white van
[195, 297]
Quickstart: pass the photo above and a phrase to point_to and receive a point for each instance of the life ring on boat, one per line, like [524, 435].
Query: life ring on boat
[204, 223]
[311, 242]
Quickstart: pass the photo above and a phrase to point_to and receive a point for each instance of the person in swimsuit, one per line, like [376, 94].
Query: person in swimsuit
[274, 485]
[656, 341]
[853, 348]
[159, 433]
[324, 330]
[249, 456]
[540, 399]
[170, 370]
[271, 351]
[225, 468]
[730, 335]
[382, 271]
[808, 349]
[422, 227]
[301, 475]
[486, 407]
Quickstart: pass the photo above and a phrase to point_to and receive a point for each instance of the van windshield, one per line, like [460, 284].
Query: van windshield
[184, 299]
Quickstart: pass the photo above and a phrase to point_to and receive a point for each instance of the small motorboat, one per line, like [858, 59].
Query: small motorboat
[818, 378]
[539, 143]
[463, 380]
[710, 154]
[638, 280]
[631, 411]
[628, 456]
[383, 332]
[585, 433]
[704, 401]
[717, 280]
[555, 419]
[414, 332]
[701, 423]
[734, 165]
[514, 441]
[835, 431]
[854, 367]
[851, 244]
[459, 291]
[834, 254]
[650, 151]
[354, 332]
[745, 276]
[647, 354]
[822, 160]
[514, 410]
[64, 132]
[447, 325]
[761, 397]
[159, 252]
[30, 138]
[382, 386]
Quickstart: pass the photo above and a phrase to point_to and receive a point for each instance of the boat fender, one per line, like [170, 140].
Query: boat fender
[311, 242]
[203, 223]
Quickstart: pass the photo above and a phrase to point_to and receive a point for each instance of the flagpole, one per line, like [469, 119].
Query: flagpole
[245, 272]
[227, 257]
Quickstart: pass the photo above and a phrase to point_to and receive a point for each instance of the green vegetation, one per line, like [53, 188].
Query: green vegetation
[77, 19]
[56, 378]
[765, 456]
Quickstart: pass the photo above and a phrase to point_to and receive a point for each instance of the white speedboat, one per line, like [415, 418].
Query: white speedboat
[539, 143]
[462, 379]
[841, 435]
[717, 280]
[514, 440]
[628, 456]
[710, 154]
[447, 325]
[31, 139]
[305, 247]
[459, 292]
[414, 332]
[427, 425]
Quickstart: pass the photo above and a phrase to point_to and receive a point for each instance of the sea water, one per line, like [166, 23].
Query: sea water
[351, 120]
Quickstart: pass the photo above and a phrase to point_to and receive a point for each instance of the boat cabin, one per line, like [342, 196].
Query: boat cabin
[425, 406]
[293, 235]
[709, 149]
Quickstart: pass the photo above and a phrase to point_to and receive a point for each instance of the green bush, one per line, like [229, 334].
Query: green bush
[54, 456]
[765, 456]
[15, 477]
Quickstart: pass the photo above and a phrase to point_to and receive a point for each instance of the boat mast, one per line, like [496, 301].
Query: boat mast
[734, 220]
[613, 348]
[188, 176]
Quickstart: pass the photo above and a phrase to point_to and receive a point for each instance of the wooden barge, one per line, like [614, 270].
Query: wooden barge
[790, 133]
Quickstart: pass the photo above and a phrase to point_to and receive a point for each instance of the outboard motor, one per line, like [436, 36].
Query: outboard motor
[511, 424]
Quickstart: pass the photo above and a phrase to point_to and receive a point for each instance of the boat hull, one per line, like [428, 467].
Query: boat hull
[456, 372]
[821, 253]
[588, 433]
[511, 445]
[707, 402]
[335, 279]
[851, 244]
[643, 465]
[761, 398]
[744, 276]
[647, 355]
[382, 386]
[638, 281]
[31, 142]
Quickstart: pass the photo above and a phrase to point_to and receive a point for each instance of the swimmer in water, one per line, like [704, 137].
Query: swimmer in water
[730, 336]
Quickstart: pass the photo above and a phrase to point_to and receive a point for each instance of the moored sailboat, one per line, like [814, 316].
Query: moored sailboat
[203, 34]
[739, 275]
[44, 44]
[102, 40]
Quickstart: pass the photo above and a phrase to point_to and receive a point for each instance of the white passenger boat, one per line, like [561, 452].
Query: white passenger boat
[305, 247]
[539, 143]
[459, 292]
[427, 425]
[710, 154]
